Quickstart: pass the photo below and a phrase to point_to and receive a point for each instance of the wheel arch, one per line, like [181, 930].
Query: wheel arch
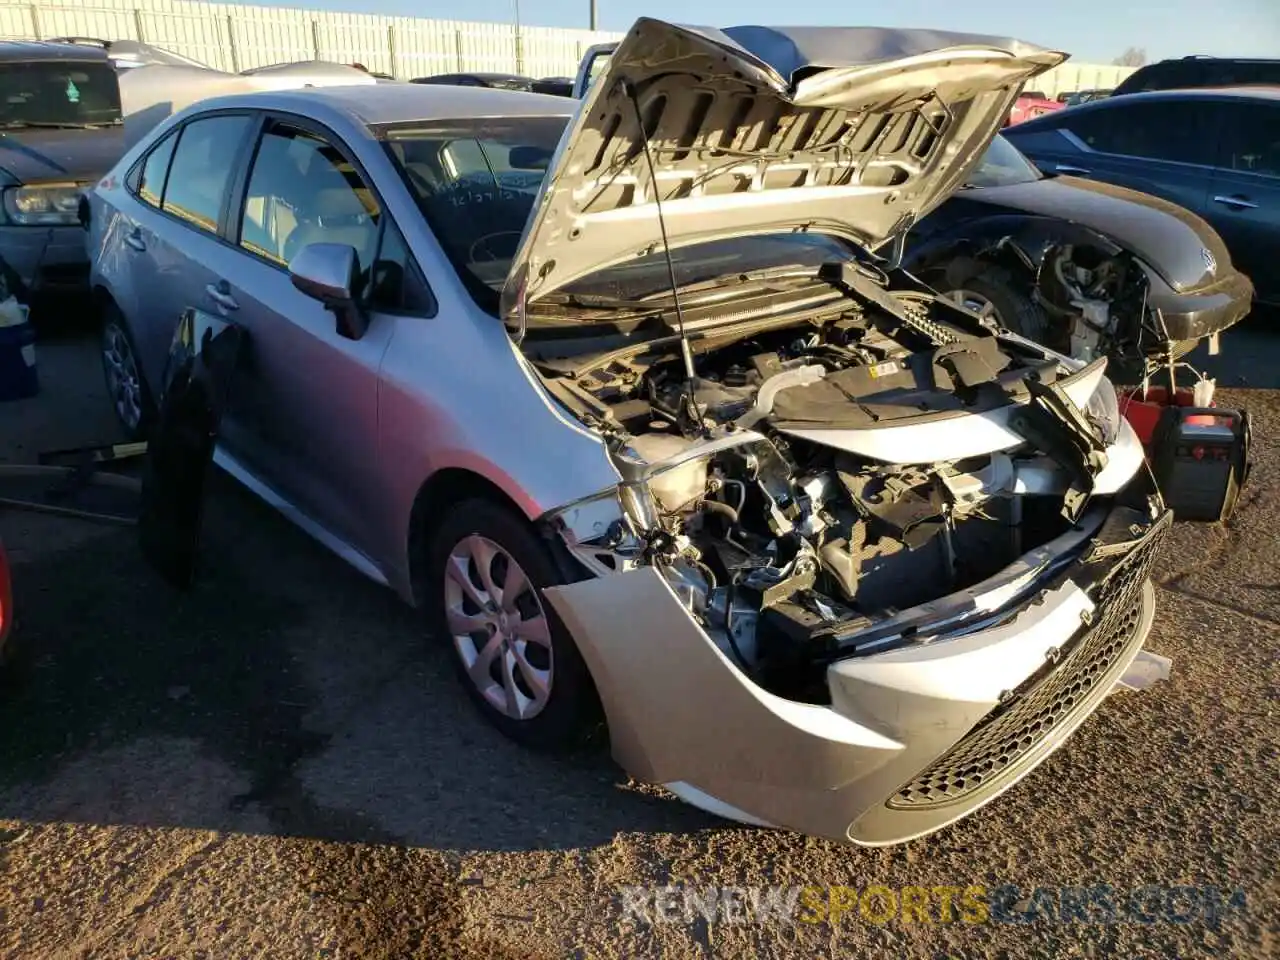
[452, 485]
[101, 297]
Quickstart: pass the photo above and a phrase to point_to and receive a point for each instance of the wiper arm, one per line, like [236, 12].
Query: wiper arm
[595, 301]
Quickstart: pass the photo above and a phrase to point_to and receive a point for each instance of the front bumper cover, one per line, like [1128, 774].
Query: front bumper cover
[914, 738]
[1197, 314]
[45, 260]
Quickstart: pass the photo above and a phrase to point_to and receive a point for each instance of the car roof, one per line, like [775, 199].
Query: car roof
[377, 104]
[1207, 58]
[1240, 92]
[1244, 91]
[16, 51]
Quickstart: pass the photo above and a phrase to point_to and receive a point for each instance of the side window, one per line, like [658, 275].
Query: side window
[1251, 139]
[302, 190]
[202, 169]
[395, 283]
[148, 181]
[1264, 72]
[1163, 130]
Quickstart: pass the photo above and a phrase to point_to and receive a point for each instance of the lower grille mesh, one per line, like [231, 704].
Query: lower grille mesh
[994, 746]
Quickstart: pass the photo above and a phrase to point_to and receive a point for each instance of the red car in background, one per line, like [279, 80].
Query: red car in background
[1031, 104]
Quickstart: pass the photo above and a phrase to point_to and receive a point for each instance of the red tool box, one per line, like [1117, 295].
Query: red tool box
[1198, 454]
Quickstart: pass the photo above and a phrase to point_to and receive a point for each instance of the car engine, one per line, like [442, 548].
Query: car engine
[784, 545]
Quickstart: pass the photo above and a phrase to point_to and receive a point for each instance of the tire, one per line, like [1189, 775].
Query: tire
[127, 389]
[1012, 308]
[569, 714]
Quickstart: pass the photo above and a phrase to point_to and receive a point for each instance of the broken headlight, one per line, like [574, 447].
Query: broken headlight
[1103, 411]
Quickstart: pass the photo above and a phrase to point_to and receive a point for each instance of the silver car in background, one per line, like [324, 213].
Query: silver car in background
[623, 399]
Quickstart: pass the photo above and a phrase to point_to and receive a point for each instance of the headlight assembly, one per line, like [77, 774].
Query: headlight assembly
[1103, 410]
[43, 206]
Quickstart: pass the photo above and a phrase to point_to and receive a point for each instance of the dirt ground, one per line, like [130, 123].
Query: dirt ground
[282, 765]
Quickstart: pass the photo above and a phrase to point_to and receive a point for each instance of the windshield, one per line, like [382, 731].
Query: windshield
[476, 180]
[58, 93]
[1002, 166]
[598, 63]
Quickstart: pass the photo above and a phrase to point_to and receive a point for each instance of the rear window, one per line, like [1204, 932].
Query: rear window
[58, 93]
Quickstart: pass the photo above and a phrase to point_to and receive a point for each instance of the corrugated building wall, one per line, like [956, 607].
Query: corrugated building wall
[232, 36]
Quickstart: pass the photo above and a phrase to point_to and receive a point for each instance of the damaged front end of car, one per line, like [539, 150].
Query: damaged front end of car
[869, 558]
[826, 586]
[1102, 300]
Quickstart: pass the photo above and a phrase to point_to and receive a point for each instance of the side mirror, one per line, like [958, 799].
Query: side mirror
[330, 273]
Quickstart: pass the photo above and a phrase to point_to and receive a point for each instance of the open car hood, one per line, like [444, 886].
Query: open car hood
[854, 132]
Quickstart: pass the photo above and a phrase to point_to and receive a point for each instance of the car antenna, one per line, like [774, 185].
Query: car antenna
[686, 352]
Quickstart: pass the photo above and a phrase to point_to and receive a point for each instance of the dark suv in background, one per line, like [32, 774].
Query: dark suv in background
[1188, 72]
[1215, 152]
[60, 130]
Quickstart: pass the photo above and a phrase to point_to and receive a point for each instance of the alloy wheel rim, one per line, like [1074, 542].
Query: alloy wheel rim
[499, 627]
[123, 380]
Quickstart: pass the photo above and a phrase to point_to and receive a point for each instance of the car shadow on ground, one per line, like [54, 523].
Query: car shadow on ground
[284, 693]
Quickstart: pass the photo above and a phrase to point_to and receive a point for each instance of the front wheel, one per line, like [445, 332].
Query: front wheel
[994, 293]
[486, 574]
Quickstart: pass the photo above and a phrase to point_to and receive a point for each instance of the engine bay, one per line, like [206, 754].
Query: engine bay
[781, 535]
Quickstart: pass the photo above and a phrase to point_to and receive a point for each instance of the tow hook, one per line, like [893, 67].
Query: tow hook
[1146, 670]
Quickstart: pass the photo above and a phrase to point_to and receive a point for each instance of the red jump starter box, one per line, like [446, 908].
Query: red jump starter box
[1199, 455]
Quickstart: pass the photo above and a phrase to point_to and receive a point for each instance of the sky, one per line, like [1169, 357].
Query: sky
[1092, 31]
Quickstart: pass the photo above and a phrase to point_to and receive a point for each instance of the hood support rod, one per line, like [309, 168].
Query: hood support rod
[686, 352]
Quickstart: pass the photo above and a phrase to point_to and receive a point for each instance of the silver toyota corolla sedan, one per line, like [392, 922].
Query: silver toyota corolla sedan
[632, 401]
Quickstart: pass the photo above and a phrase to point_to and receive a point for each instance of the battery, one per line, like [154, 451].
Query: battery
[1200, 458]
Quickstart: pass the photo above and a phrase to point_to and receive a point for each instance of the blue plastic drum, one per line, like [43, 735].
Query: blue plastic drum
[18, 377]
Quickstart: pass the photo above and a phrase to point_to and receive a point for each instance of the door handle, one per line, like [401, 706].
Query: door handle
[1236, 203]
[220, 293]
[1069, 169]
[134, 239]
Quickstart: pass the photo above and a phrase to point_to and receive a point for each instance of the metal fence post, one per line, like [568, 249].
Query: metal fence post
[137, 24]
[231, 44]
[315, 39]
[457, 40]
[519, 52]
[391, 49]
[35, 21]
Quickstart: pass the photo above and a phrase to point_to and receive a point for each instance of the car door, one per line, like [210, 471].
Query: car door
[1162, 147]
[1244, 196]
[310, 392]
[182, 186]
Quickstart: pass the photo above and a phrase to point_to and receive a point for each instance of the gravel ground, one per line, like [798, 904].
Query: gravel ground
[278, 765]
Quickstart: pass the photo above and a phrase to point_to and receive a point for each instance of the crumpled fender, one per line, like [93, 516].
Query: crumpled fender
[1017, 241]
